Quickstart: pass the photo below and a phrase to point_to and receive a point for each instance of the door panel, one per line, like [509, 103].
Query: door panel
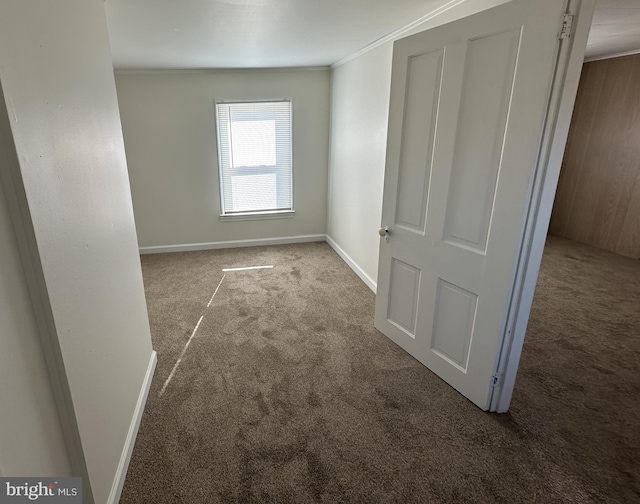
[423, 93]
[486, 94]
[467, 111]
[455, 315]
[404, 296]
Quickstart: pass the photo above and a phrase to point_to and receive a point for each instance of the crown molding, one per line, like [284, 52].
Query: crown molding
[394, 35]
[162, 71]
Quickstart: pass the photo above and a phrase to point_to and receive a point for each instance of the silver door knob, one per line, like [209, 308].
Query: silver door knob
[384, 232]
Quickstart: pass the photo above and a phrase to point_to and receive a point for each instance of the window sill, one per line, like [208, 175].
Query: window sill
[280, 214]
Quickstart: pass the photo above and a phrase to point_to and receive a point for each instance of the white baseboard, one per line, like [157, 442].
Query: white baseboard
[353, 265]
[188, 247]
[125, 458]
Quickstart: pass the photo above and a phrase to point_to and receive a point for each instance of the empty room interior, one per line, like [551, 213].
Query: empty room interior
[344, 251]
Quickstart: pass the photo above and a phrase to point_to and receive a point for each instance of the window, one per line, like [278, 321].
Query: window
[254, 149]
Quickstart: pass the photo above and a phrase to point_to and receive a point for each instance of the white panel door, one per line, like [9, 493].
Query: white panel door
[467, 112]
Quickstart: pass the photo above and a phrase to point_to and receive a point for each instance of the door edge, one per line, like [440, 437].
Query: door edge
[561, 102]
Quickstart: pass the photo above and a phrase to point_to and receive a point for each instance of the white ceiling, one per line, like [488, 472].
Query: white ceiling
[192, 34]
[615, 29]
[178, 34]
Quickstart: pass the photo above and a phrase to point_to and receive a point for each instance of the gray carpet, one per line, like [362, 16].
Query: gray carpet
[287, 393]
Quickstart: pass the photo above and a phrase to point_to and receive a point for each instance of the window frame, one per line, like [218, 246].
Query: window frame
[255, 214]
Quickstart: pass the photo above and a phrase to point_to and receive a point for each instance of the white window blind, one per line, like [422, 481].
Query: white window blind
[254, 149]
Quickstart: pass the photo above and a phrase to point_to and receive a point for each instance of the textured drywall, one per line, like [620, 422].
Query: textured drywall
[70, 167]
[31, 440]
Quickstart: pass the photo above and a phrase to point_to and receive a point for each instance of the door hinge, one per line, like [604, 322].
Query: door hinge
[495, 380]
[567, 26]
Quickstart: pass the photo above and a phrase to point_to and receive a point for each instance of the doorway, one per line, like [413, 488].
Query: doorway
[581, 355]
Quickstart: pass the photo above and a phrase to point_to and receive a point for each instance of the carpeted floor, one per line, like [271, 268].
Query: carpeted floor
[287, 393]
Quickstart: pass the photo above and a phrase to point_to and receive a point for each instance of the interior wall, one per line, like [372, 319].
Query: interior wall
[168, 121]
[360, 91]
[69, 177]
[598, 196]
[31, 439]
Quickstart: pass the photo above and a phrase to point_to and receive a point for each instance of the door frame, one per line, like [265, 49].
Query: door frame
[542, 195]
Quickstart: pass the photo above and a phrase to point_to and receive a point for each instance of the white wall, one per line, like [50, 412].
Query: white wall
[169, 130]
[359, 112]
[69, 177]
[31, 440]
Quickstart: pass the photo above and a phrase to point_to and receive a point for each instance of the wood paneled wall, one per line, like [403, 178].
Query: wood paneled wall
[598, 196]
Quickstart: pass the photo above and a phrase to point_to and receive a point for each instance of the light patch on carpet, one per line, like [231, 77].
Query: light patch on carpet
[246, 268]
[195, 330]
[215, 291]
[166, 384]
